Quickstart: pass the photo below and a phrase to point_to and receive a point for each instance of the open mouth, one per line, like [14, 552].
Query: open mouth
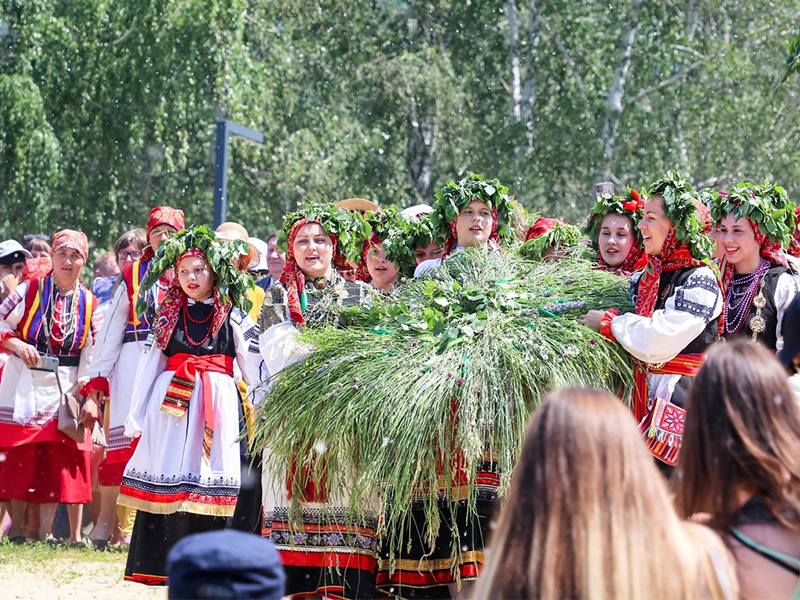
[193, 286]
[476, 230]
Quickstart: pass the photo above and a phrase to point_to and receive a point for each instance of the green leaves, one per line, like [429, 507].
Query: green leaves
[767, 206]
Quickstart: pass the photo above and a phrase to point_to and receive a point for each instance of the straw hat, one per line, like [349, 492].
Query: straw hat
[359, 204]
[230, 231]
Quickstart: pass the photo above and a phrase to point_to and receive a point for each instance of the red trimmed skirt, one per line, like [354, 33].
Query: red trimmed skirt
[113, 466]
[45, 473]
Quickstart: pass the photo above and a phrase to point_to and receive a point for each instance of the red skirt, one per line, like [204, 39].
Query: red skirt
[113, 466]
[45, 473]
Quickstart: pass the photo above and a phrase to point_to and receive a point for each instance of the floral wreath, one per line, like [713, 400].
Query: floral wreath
[348, 226]
[455, 197]
[681, 204]
[630, 206]
[766, 207]
[231, 284]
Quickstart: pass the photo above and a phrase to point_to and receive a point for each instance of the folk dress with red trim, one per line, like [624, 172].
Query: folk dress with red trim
[326, 548]
[119, 347]
[29, 399]
[668, 345]
[169, 471]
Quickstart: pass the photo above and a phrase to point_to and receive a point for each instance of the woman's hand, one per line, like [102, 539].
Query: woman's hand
[592, 319]
[90, 413]
[28, 354]
[96, 396]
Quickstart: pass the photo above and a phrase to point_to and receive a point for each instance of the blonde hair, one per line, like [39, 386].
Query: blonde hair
[589, 516]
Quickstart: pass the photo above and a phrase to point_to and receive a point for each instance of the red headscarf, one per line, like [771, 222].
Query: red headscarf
[542, 226]
[293, 277]
[770, 250]
[452, 238]
[362, 272]
[74, 240]
[162, 215]
[674, 255]
[170, 309]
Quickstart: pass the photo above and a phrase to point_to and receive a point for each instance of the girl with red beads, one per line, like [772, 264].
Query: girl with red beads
[185, 472]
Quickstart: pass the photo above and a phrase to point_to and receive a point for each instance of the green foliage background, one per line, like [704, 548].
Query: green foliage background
[108, 108]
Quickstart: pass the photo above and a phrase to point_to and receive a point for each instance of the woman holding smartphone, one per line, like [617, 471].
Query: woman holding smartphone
[49, 324]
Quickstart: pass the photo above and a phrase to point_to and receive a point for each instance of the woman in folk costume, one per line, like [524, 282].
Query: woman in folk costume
[184, 474]
[612, 230]
[113, 369]
[53, 315]
[326, 549]
[755, 224]
[678, 300]
[472, 213]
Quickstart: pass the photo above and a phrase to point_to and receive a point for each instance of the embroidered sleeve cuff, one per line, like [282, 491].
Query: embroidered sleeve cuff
[97, 384]
[605, 324]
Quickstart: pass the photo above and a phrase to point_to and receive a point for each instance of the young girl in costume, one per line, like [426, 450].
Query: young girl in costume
[378, 266]
[184, 474]
[678, 300]
[611, 227]
[326, 549]
[113, 369]
[56, 316]
[755, 224]
[472, 213]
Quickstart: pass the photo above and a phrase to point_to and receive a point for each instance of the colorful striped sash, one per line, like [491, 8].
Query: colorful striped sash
[683, 364]
[179, 392]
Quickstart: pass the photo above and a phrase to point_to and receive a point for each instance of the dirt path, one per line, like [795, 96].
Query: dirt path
[37, 572]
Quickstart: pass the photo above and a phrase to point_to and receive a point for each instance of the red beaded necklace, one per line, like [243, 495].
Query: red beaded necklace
[186, 316]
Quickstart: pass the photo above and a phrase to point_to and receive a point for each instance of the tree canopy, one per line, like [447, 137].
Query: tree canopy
[109, 108]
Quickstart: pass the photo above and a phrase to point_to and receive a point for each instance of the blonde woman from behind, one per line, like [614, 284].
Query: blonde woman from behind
[589, 516]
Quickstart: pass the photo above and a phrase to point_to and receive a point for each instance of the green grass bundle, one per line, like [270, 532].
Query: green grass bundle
[457, 360]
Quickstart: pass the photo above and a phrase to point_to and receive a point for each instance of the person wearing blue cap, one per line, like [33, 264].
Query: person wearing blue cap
[225, 564]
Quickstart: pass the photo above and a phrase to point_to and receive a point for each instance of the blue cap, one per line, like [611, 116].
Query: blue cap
[225, 564]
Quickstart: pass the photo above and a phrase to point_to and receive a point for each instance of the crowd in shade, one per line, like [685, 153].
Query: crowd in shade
[142, 397]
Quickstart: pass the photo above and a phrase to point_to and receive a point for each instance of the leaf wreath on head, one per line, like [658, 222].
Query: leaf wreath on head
[222, 256]
[631, 205]
[561, 237]
[766, 207]
[455, 197]
[402, 236]
[686, 210]
[348, 226]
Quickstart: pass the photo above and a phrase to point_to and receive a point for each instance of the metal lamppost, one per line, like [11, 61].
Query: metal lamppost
[225, 129]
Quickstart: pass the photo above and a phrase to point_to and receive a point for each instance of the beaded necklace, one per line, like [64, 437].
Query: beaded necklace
[67, 321]
[186, 316]
[745, 298]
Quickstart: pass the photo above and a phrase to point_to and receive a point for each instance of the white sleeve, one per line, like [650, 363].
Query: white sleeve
[110, 338]
[245, 337]
[785, 290]
[13, 309]
[685, 315]
[425, 266]
[279, 347]
[151, 365]
[88, 350]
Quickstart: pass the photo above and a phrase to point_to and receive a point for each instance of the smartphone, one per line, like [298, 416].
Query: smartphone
[47, 363]
[605, 187]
